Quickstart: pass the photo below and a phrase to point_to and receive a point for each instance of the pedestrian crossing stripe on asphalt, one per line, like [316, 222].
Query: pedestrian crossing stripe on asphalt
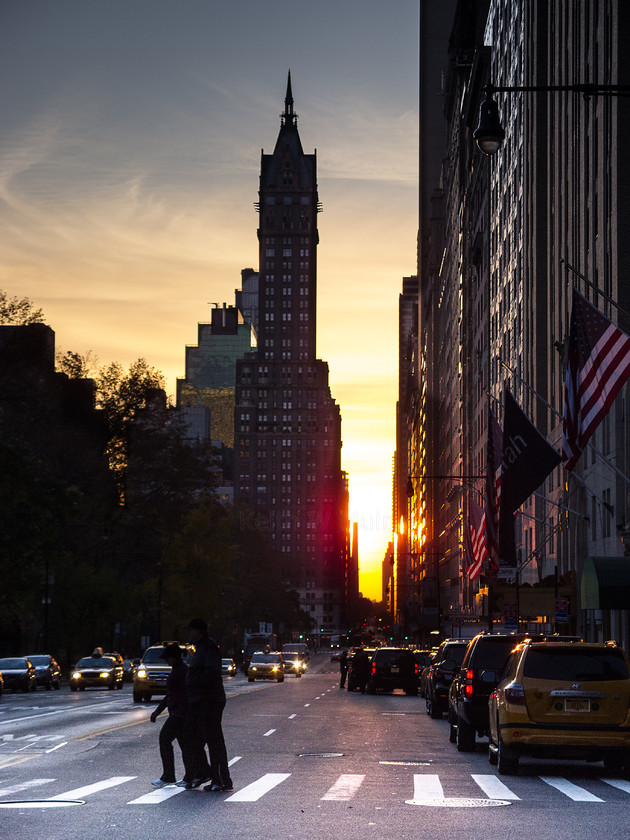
[426, 787]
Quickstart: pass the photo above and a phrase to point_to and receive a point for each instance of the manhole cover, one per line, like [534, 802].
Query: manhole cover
[41, 803]
[320, 755]
[457, 802]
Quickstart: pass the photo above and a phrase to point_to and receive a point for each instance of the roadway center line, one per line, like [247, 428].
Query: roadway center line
[56, 712]
[292, 716]
[270, 732]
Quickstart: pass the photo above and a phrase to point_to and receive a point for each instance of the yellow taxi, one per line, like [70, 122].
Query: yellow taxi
[561, 700]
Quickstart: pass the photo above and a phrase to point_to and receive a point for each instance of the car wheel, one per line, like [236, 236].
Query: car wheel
[137, 697]
[82, 688]
[280, 679]
[492, 753]
[432, 709]
[371, 688]
[48, 685]
[119, 686]
[452, 733]
[111, 686]
[507, 758]
[615, 762]
[412, 692]
[298, 673]
[74, 687]
[57, 685]
[465, 738]
[250, 679]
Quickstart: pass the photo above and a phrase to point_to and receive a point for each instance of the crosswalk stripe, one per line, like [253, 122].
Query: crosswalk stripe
[345, 787]
[253, 792]
[24, 786]
[494, 787]
[427, 786]
[154, 797]
[618, 783]
[574, 792]
[79, 793]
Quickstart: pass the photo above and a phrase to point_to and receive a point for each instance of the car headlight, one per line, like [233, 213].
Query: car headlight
[275, 668]
[76, 675]
[141, 674]
[104, 674]
[252, 667]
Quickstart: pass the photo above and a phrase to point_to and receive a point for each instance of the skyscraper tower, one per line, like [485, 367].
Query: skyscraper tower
[287, 425]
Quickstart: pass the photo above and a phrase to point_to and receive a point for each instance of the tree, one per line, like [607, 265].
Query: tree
[18, 311]
[76, 366]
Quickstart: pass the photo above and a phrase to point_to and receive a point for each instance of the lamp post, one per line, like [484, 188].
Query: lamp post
[489, 134]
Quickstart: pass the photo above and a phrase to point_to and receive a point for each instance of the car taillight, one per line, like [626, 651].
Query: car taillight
[373, 667]
[515, 694]
[468, 684]
[415, 669]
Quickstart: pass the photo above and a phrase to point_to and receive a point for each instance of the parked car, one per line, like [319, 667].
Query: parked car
[1, 683]
[562, 700]
[393, 668]
[440, 675]
[424, 673]
[96, 672]
[294, 662]
[18, 673]
[47, 670]
[129, 669]
[152, 672]
[266, 666]
[228, 667]
[473, 684]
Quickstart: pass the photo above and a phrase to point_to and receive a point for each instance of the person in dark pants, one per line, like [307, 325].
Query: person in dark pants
[343, 667]
[206, 701]
[177, 726]
[361, 669]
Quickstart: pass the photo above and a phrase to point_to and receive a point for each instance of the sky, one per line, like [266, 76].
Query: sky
[130, 143]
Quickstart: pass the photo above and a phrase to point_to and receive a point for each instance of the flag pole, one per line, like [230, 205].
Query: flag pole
[590, 446]
[596, 289]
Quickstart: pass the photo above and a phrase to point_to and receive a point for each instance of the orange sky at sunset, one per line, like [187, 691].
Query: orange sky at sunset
[129, 163]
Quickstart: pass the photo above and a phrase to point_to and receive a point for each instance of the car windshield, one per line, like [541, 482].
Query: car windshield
[575, 664]
[12, 664]
[226, 661]
[95, 662]
[454, 653]
[492, 654]
[153, 656]
[39, 660]
[266, 657]
[389, 658]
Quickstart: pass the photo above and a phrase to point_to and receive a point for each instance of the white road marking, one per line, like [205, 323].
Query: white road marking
[234, 760]
[306, 705]
[79, 793]
[344, 788]
[574, 792]
[494, 787]
[56, 747]
[253, 792]
[618, 783]
[268, 733]
[157, 796]
[24, 786]
[292, 716]
[427, 786]
[64, 711]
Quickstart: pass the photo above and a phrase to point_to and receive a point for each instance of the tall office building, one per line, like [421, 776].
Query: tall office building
[287, 425]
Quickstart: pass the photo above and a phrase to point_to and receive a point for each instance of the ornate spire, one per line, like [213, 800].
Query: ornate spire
[288, 118]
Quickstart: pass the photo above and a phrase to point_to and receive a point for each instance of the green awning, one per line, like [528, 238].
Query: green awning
[606, 583]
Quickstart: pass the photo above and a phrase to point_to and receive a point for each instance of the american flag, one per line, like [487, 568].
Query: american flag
[493, 488]
[475, 540]
[598, 364]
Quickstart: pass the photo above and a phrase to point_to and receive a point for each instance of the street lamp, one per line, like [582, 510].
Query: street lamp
[489, 134]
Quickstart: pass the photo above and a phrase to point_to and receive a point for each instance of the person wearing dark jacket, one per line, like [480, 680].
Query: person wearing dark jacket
[206, 700]
[177, 725]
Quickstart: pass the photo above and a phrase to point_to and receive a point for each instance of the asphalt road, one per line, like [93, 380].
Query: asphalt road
[308, 761]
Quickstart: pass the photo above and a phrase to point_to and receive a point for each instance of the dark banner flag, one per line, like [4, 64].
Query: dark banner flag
[527, 461]
[493, 488]
[598, 364]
